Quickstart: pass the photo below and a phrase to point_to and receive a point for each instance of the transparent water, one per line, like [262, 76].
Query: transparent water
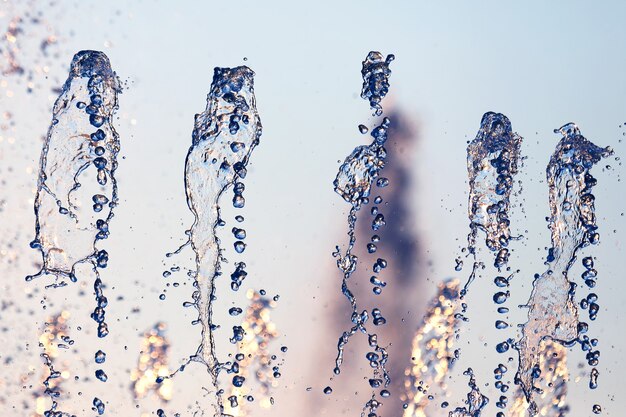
[115, 326]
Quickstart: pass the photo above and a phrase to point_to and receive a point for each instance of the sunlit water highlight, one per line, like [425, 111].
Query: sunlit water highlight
[254, 360]
[433, 352]
[152, 364]
[551, 384]
[54, 338]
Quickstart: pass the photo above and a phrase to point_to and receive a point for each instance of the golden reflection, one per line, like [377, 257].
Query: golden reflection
[257, 360]
[432, 350]
[53, 338]
[152, 364]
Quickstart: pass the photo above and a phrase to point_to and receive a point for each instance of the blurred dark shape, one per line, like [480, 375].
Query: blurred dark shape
[400, 300]
[399, 240]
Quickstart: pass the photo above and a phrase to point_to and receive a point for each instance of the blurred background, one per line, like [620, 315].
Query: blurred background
[541, 64]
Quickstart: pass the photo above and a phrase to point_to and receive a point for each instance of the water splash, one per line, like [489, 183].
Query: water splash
[492, 162]
[353, 183]
[434, 355]
[254, 356]
[552, 311]
[551, 384]
[152, 364]
[77, 188]
[433, 352]
[475, 400]
[223, 139]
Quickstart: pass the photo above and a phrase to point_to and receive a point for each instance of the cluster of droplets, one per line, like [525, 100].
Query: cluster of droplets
[590, 304]
[175, 283]
[493, 158]
[500, 298]
[52, 388]
[376, 74]
[152, 365]
[355, 179]
[433, 353]
[81, 138]
[552, 311]
[98, 316]
[500, 384]
[378, 222]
